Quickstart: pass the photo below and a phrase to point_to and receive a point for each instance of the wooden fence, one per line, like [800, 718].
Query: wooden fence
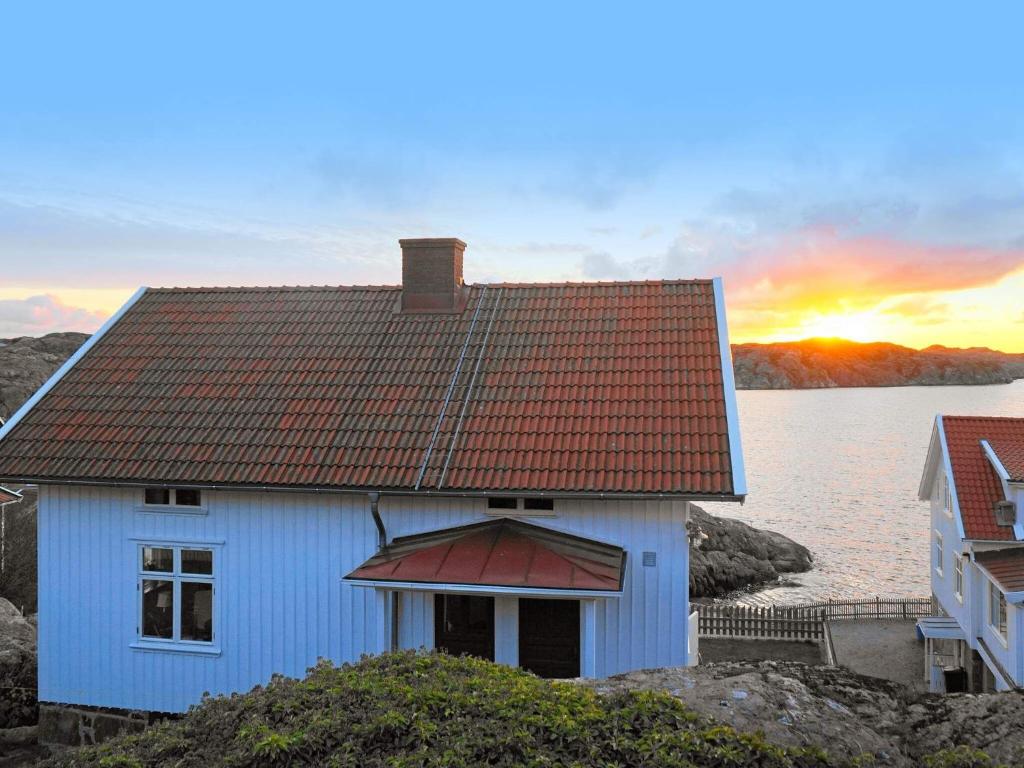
[801, 622]
[776, 622]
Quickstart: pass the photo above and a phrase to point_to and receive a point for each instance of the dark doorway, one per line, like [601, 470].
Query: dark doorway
[549, 637]
[464, 624]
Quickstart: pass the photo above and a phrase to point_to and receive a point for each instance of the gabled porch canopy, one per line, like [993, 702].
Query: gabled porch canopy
[500, 555]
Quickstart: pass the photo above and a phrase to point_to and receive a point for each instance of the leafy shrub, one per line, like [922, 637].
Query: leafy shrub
[425, 710]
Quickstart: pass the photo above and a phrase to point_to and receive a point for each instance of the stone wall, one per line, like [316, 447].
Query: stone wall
[74, 726]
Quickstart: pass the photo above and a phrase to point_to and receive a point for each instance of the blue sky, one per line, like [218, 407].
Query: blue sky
[856, 164]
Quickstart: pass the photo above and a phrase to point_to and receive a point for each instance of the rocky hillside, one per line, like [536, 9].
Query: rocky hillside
[28, 361]
[798, 705]
[817, 363]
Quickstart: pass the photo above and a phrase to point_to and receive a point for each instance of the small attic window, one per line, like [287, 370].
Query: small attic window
[540, 505]
[186, 497]
[502, 502]
[173, 497]
[158, 496]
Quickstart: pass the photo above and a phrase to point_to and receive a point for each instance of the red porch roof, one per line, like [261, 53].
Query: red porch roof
[1006, 566]
[8, 496]
[499, 553]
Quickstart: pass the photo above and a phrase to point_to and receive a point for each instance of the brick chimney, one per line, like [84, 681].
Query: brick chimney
[432, 275]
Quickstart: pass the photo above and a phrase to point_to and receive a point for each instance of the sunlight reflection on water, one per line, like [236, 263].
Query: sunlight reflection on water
[838, 469]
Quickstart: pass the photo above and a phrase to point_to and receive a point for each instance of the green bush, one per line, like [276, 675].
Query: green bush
[425, 709]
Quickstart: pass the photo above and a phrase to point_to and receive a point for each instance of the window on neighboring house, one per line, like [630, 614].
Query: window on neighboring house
[997, 609]
[174, 497]
[176, 593]
[938, 552]
[958, 576]
[545, 505]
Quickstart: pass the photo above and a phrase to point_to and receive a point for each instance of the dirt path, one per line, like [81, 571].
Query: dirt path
[883, 648]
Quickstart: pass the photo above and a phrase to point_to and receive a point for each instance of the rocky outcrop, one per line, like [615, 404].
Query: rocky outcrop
[818, 363]
[738, 556]
[799, 705]
[27, 362]
[17, 668]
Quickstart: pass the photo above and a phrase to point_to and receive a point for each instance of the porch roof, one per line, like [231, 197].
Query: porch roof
[940, 628]
[501, 553]
[1006, 568]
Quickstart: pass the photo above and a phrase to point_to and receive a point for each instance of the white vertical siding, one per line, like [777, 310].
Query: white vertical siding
[646, 626]
[280, 600]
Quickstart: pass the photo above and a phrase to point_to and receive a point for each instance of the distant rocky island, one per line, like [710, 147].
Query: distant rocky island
[820, 363]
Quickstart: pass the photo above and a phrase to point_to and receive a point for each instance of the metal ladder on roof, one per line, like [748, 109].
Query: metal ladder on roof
[459, 397]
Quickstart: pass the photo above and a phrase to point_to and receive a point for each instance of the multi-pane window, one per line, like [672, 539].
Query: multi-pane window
[176, 593]
[938, 552]
[996, 609]
[958, 576]
[173, 497]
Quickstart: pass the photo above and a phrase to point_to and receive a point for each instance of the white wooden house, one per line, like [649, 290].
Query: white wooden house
[236, 482]
[974, 479]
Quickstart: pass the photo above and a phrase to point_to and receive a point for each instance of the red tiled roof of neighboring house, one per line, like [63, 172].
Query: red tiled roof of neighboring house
[8, 496]
[565, 388]
[1006, 566]
[500, 553]
[1011, 456]
[978, 487]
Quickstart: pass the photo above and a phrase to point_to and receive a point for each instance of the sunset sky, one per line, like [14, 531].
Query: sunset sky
[856, 174]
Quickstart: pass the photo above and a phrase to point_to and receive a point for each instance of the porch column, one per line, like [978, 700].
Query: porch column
[380, 629]
[588, 638]
[506, 630]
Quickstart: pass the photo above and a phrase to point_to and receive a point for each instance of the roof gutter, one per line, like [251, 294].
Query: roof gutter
[91, 342]
[525, 493]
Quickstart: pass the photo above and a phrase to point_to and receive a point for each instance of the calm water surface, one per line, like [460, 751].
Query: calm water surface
[837, 470]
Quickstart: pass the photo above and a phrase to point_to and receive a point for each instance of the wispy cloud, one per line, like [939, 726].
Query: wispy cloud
[38, 315]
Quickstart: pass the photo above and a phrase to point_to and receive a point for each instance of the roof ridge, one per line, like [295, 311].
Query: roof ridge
[946, 417]
[387, 287]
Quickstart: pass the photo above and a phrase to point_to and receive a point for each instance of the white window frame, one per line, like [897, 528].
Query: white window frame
[947, 496]
[520, 509]
[958, 577]
[997, 618]
[172, 507]
[177, 577]
[939, 547]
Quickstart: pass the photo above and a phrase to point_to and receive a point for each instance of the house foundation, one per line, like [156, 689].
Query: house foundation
[78, 726]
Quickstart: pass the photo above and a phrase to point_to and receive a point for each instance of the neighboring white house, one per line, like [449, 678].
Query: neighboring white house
[236, 482]
[974, 479]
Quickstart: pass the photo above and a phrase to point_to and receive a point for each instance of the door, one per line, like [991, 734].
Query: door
[549, 637]
[464, 624]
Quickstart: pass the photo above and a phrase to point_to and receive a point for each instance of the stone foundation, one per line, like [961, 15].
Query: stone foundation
[75, 726]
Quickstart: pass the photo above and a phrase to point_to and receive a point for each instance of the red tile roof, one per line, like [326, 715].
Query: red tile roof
[8, 496]
[1011, 456]
[978, 488]
[499, 553]
[1006, 566]
[600, 387]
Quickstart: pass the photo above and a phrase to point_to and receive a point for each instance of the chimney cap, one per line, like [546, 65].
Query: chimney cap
[429, 241]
